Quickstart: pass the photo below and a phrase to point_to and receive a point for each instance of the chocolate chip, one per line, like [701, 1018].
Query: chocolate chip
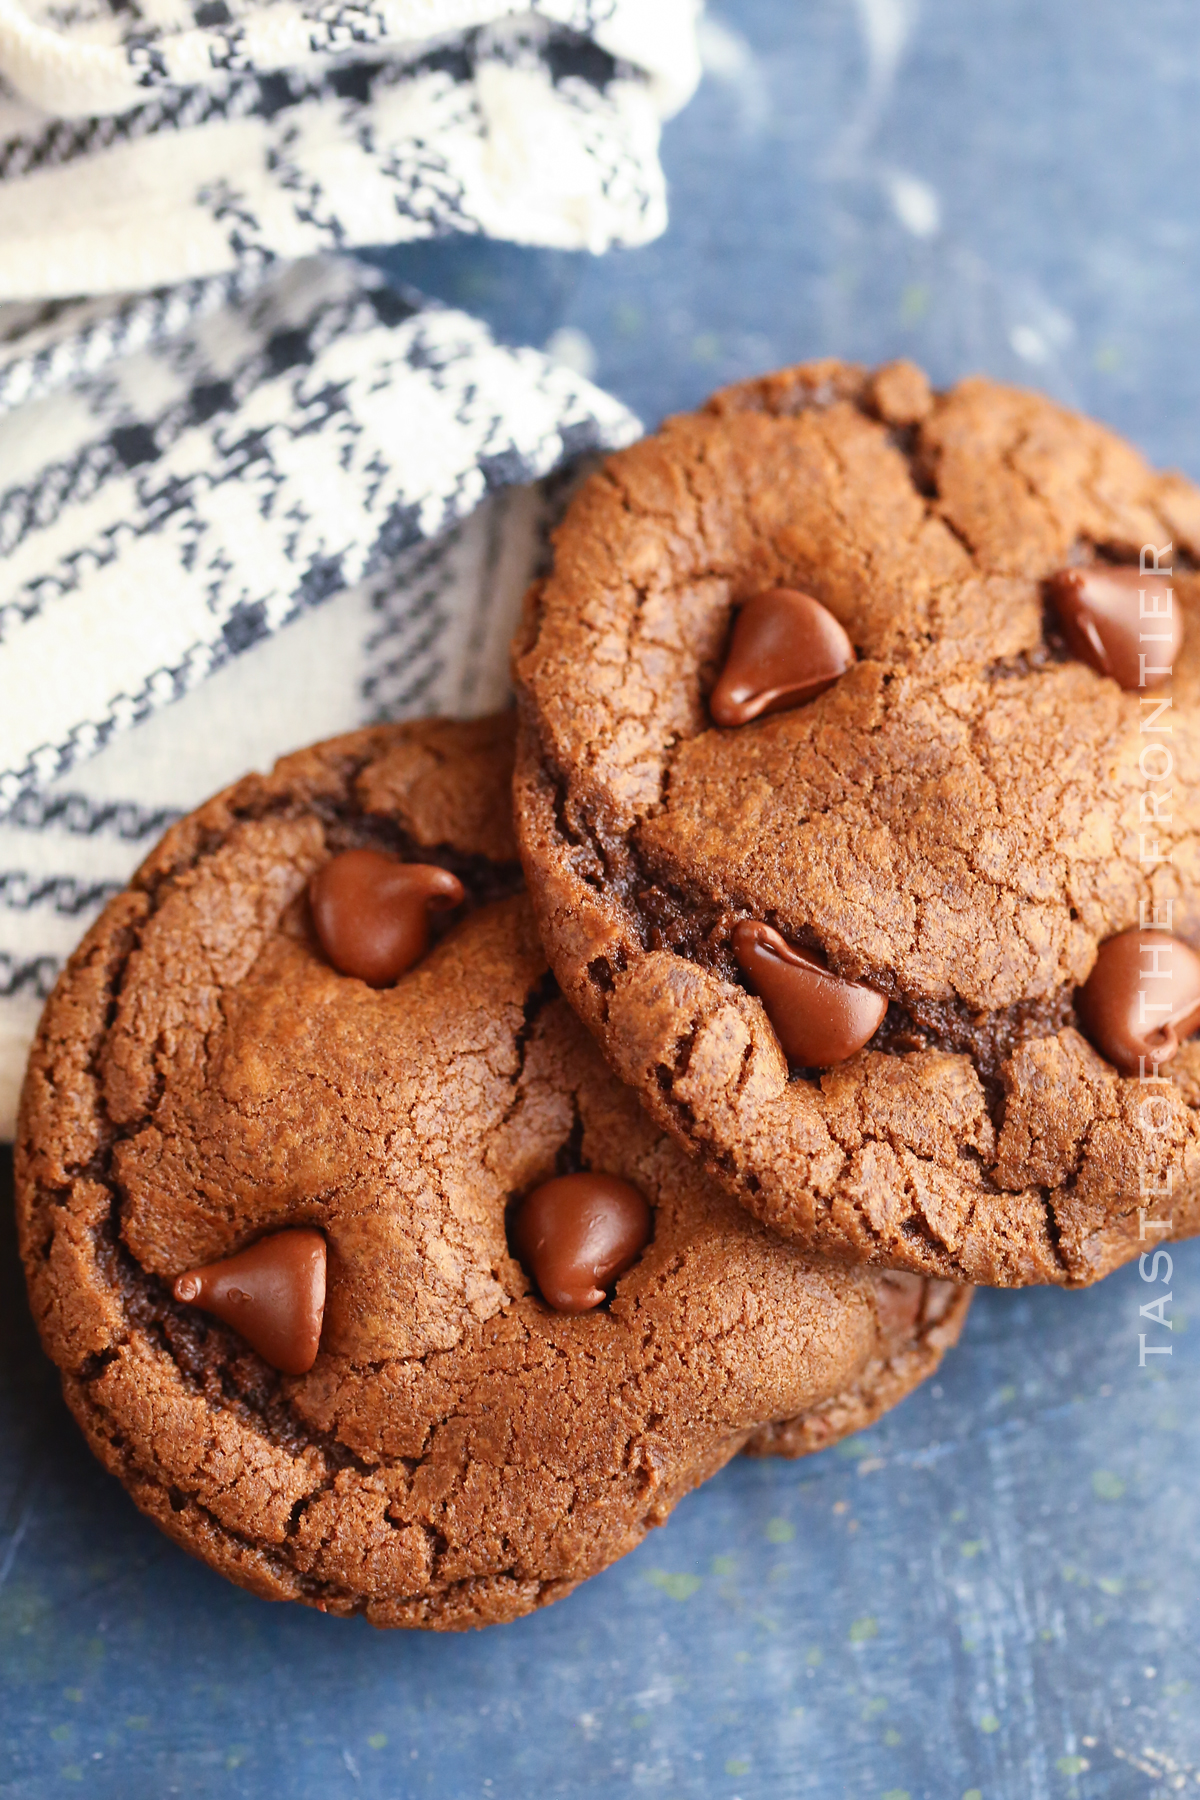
[273, 1295]
[1123, 623]
[576, 1234]
[372, 913]
[1141, 999]
[819, 1018]
[786, 647]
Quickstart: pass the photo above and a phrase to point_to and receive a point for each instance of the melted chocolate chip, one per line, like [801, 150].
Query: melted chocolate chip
[786, 647]
[819, 1018]
[1121, 622]
[272, 1294]
[372, 913]
[1141, 999]
[576, 1234]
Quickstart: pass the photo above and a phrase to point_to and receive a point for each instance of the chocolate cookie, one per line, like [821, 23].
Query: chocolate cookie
[302, 1098]
[919, 1320]
[859, 728]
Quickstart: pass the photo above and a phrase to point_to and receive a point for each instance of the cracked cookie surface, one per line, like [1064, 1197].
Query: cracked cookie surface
[458, 1453]
[955, 823]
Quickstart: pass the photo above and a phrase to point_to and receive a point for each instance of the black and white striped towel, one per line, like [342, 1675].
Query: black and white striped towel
[256, 442]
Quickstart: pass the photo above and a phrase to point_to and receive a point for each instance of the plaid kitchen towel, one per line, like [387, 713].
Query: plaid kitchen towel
[208, 433]
[150, 143]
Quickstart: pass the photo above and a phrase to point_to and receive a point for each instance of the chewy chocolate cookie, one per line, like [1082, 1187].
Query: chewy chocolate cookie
[918, 1321]
[300, 1102]
[858, 791]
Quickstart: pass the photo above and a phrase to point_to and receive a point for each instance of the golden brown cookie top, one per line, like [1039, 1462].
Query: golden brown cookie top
[206, 1082]
[955, 823]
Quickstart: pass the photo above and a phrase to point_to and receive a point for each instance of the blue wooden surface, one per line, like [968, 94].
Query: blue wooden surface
[995, 1593]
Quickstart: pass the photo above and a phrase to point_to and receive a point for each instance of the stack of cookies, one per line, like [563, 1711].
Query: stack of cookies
[459, 1143]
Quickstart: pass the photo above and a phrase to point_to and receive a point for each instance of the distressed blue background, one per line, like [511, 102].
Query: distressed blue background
[995, 1593]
